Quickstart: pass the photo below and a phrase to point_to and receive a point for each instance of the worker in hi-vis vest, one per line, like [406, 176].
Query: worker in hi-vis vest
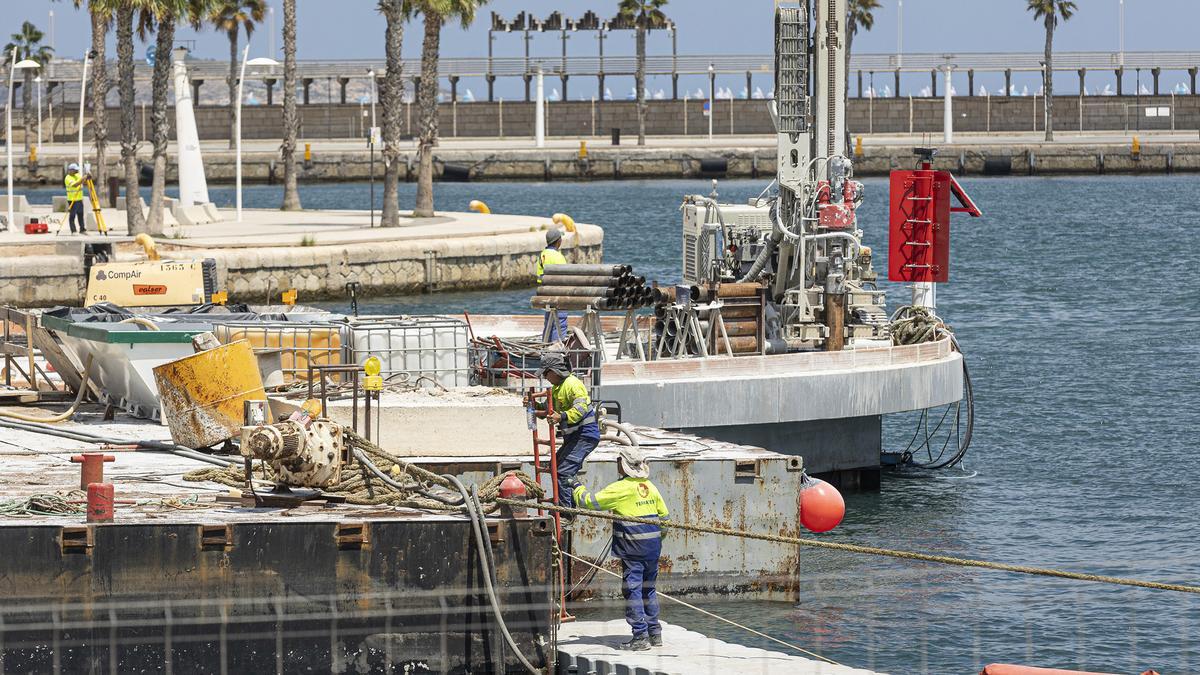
[576, 419]
[637, 545]
[74, 184]
[552, 256]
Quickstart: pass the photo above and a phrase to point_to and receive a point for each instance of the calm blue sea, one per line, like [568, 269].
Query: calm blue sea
[1077, 303]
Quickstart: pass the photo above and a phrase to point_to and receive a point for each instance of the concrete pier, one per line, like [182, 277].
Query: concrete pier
[586, 647]
[315, 252]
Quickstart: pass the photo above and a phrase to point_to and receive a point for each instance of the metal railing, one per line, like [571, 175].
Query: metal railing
[695, 64]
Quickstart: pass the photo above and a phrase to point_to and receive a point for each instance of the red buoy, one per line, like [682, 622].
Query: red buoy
[821, 505]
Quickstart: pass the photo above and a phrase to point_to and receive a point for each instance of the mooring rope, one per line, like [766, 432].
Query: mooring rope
[707, 613]
[866, 550]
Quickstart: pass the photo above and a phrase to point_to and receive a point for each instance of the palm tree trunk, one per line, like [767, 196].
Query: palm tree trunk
[291, 122]
[27, 107]
[428, 104]
[160, 130]
[133, 200]
[1049, 77]
[99, 92]
[640, 79]
[392, 88]
[233, 74]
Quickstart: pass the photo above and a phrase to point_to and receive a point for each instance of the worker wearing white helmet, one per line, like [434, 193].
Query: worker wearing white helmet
[637, 545]
[74, 184]
[552, 256]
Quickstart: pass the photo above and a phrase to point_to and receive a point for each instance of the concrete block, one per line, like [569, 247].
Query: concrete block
[19, 203]
[58, 203]
[463, 422]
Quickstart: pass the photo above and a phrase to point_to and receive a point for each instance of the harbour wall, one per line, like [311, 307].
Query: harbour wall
[31, 276]
[482, 119]
[630, 162]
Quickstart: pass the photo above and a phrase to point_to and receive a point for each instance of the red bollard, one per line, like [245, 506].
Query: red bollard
[100, 502]
[92, 470]
[512, 488]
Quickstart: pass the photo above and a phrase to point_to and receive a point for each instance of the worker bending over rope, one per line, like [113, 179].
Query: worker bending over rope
[576, 419]
[637, 545]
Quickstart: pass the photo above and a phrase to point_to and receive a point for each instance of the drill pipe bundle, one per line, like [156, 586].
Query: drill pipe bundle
[607, 287]
[589, 270]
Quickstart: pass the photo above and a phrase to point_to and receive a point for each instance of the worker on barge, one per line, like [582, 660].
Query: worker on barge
[553, 330]
[575, 416]
[637, 545]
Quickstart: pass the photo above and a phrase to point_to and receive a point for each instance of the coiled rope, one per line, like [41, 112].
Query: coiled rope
[400, 483]
[868, 550]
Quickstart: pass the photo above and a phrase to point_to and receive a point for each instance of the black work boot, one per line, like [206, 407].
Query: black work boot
[639, 643]
[656, 639]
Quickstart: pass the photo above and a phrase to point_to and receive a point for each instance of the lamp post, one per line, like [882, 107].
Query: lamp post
[371, 138]
[87, 60]
[237, 117]
[12, 71]
[712, 107]
[38, 80]
[1121, 32]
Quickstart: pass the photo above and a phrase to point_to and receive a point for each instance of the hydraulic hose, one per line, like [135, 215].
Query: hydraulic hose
[478, 525]
[63, 416]
[157, 446]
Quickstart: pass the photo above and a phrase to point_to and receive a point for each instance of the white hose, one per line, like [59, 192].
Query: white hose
[141, 321]
[65, 415]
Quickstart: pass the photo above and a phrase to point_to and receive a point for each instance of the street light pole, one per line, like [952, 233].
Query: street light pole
[8, 142]
[900, 34]
[1121, 32]
[371, 136]
[87, 59]
[237, 123]
[237, 117]
[712, 104]
[38, 81]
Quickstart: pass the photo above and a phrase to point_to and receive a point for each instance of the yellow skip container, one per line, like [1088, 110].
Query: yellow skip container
[203, 395]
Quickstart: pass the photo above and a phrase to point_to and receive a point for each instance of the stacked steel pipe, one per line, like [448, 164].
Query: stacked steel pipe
[597, 286]
[742, 312]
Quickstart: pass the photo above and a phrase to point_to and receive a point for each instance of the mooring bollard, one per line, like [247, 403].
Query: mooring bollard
[92, 467]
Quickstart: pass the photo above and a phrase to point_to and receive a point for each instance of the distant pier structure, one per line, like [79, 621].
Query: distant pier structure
[1098, 68]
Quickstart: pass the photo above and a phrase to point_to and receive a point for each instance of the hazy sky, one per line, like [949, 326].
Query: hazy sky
[332, 29]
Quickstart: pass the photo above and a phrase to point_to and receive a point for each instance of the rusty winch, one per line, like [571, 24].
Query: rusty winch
[304, 452]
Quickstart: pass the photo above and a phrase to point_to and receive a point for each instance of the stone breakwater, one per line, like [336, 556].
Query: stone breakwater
[37, 276]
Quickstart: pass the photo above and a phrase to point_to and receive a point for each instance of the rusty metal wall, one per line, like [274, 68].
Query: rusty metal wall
[758, 493]
[269, 597]
[746, 488]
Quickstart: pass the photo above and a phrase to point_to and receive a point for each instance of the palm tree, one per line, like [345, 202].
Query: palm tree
[859, 14]
[1049, 12]
[646, 15]
[124, 11]
[231, 16]
[28, 45]
[101, 15]
[391, 89]
[435, 12]
[161, 17]
[291, 122]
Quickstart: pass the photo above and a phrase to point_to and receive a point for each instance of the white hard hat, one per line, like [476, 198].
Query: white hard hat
[633, 462]
[72, 167]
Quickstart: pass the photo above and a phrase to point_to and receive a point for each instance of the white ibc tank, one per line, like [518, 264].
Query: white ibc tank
[420, 350]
